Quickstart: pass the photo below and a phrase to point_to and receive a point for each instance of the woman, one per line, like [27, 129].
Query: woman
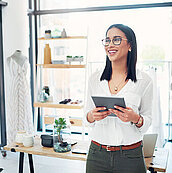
[116, 142]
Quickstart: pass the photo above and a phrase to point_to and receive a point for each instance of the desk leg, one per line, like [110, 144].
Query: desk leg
[31, 163]
[21, 162]
[152, 170]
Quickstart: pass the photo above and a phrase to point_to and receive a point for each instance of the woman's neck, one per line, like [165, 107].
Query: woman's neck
[118, 68]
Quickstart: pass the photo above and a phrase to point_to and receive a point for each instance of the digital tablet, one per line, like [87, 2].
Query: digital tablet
[108, 102]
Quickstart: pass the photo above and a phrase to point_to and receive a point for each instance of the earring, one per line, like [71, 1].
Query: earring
[129, 49]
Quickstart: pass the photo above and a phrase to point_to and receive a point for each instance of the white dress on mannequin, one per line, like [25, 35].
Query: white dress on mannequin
[19, 109]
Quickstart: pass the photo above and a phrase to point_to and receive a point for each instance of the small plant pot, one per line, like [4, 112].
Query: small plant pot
[61, 143]
[61, 146]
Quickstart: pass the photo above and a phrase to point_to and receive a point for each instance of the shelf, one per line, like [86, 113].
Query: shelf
[61, 66]
[60, 38]
[54, 105]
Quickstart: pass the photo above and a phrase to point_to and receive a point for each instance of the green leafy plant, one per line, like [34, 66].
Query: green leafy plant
[59, 125]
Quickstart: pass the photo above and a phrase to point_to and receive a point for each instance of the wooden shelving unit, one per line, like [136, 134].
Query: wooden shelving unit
[60, 66]
[60, 38]
[68, 65]
[55, 105]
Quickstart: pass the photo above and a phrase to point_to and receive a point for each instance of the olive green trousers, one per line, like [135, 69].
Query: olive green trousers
[100, 160]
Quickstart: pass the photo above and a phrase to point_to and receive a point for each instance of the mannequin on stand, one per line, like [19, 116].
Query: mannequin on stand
[19, 108]
[19, 58]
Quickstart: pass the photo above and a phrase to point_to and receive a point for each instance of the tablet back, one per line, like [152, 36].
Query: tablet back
[108, 102]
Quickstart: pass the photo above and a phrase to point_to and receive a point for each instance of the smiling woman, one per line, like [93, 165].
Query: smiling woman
[124, 131]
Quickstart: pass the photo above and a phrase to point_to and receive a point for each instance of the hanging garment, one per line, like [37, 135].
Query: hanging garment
[19, 109]
[157, 124]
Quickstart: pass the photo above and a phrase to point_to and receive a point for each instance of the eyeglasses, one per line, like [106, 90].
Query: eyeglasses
[116, 41]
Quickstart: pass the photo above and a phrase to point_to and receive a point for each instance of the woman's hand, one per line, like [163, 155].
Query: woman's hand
[126, 115]
[95, 115]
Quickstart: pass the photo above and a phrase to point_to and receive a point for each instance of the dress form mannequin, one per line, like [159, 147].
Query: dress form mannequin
[18, 57]
[19, 108]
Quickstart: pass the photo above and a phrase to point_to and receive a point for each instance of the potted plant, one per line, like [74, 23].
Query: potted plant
[61, 136]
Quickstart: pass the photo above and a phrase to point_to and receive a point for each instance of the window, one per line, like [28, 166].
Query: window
[153, 28]
[69, 4]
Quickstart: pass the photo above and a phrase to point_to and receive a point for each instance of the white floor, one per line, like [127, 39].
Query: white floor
[44, 164]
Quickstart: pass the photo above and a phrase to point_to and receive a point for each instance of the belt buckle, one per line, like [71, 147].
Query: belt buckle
[108, 148]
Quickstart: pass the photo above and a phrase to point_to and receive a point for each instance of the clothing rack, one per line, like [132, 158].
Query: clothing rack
[169, 65]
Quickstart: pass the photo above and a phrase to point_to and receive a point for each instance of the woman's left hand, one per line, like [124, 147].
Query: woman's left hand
[126, 115]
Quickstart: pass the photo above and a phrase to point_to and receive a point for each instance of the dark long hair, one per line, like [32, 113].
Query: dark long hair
[131, 57]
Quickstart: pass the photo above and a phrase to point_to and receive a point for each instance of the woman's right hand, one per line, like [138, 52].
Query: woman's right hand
[95, 115]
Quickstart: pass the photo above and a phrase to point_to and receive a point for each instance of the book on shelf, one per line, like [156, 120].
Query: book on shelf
[58, 62]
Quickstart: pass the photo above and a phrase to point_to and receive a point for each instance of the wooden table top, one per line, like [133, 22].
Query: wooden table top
[158, 162]
[38, 149]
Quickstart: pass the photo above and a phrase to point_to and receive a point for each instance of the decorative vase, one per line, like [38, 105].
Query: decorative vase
[63, 33]
[47, 54]
[43, 97]
[62, 141]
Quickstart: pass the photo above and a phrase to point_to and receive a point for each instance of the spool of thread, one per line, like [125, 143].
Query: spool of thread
[47, 54]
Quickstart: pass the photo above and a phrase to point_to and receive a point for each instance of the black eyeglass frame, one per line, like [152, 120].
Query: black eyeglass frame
[119, 37]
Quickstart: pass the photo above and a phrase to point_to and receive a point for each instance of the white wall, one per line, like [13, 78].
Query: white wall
[15, 27]
[15, 34]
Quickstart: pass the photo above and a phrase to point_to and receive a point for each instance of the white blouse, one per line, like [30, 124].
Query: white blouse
[111, 130]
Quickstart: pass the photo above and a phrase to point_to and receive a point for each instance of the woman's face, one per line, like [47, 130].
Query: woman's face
[117, 52]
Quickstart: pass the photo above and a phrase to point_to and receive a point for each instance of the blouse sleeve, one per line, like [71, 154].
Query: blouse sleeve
[146, 107]
[89, 105]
